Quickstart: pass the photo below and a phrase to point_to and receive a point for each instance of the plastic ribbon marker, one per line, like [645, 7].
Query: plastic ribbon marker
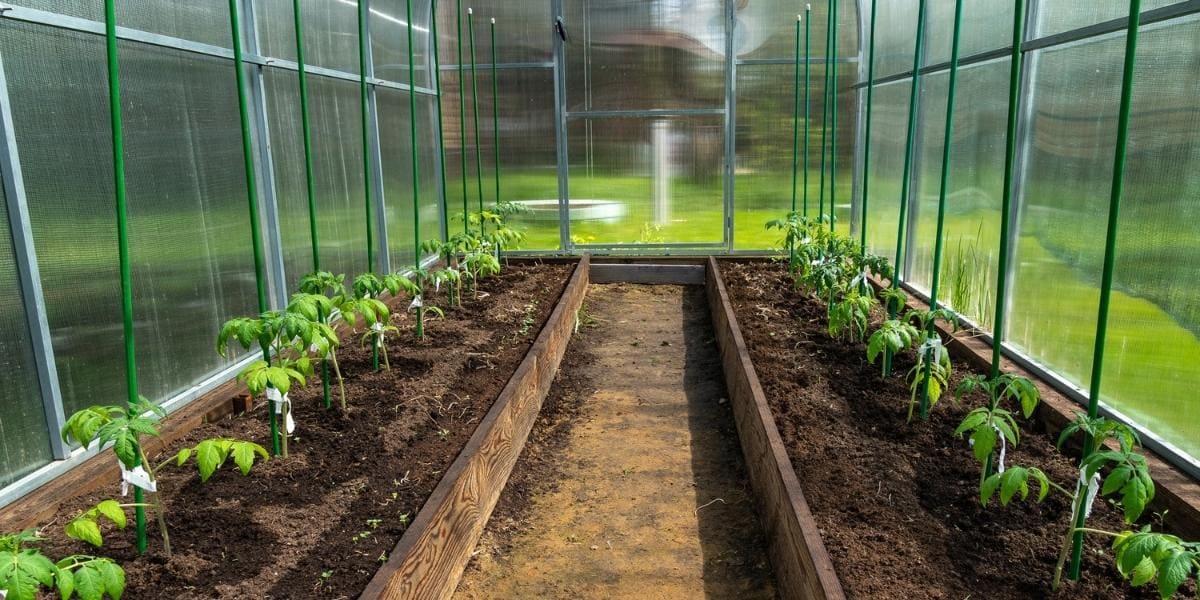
[1093, 486]
[278, 401]
[137, 477]
[1003, 449]
[378, 329]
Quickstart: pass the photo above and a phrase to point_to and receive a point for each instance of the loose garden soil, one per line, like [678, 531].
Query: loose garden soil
[319, 523]
[898, 504]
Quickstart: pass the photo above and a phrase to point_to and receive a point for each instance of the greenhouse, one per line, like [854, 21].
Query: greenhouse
[600, 299]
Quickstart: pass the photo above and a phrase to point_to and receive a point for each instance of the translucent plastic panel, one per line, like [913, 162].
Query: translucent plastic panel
[895, 37]
[277, 28]
[205, 21]
[768, 29]
[646, 181]
[528, 159]
[889, 123]
[24, 437]
[986, 25]
[287, 156]
[523, 30]
[763, 189]
[330, 31]
[973, 195]
[389, 40]
[1154, 322]
[185, 183]
[1057, 16]
[674, 52]
[396, 144]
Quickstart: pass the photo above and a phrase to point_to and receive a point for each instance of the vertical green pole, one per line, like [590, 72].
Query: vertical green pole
[495, 110]
[364, 110]
[831, 60]
[1010, 161]
[825, 110]
[437, 82]
[941, 213]
[235, 25]
[475, 109]
[310, 187]
[796, 121]
[462, 112]
[416, 179]
[807, 84]
[118, 150]
[906, 179]
[867, 141]
[1110, 260]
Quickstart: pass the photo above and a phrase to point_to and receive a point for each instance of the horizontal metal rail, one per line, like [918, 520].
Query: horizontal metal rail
[650, 113]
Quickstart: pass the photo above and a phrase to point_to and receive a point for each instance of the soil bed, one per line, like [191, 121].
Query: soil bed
[898, 504]
[319, 523]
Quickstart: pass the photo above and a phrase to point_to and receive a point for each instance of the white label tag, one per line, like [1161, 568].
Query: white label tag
[416, 303]
[1003, 449]
[138, 477]
[278, 401]
[1093, 487]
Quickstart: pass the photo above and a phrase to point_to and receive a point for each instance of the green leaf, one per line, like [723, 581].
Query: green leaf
[183, 456]
[1011, 481]
[23, 573]
[984, 440]
[89, 583]
[85, 529]
[243, 455]
[988, 489]
[113, 577]
[1143, 573]
[1173, 571]
[1116, 479]
[111, 509]
[66, 584]
[208, 458]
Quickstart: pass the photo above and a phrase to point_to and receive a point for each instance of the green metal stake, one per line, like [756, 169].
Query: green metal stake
[118, 150]
[795, 136]
[1110, 260]
[278, 445]
[825, 112]
[437, 82]
[807, 105]
[416, 187]
[495, 110]
[906, 179]
[364, 109]
[941, 214]
[833, 117]
[462, 112]
[867, 141]
[310, 188]
[475, 109]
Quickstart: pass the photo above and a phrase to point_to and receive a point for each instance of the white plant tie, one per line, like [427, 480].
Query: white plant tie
[1093, 487]
[1003, 449]
[417, 302]
[378, 329]
[933, 344]
[437, 284]
[278, 401]
[137, 477]
[858, 279]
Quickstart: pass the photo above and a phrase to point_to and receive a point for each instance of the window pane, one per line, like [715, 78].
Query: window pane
[330, 32]
[1057, 16]
[523, 31]
[395, 118]
[889, 126]
[986, 25]
[768, 29]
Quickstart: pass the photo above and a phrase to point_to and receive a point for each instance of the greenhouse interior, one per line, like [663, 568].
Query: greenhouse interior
[600, 299]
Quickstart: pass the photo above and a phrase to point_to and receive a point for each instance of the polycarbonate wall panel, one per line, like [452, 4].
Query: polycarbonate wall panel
[971, 231]
[763, 188]
[646, 180]
[396, 147]
[205, 21]
[524, 31]
[889, 124]
[1057, 16]
[767, 30]
[24, 436]
[986, 25]
[674, 53]
[277, 28]
[389, 41]
[895, 36]
[330, 31]
[186, 182]
[291, 185]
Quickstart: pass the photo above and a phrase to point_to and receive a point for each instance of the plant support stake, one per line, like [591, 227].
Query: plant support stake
[807, 105]
[119, 189]
[462, 112]
[795, 136]
[364, 108]
[941, 213]
[867, 139]
[906, 178]
[1110, 259]
[825, 112]
[416, 188]
[475, 109]
[278, 446]
[831, 61]
[495, 111]
[437, 84]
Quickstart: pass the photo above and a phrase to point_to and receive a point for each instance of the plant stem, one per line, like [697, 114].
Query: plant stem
[338, 371]
[159, 511]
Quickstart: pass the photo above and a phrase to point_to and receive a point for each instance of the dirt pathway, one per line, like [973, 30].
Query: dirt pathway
[652, 499]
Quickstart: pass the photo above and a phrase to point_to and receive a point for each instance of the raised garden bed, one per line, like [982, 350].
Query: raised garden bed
[320, 523]
[897, 505]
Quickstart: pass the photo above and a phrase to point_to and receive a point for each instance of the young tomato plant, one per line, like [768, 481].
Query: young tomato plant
[25, 571]
[124, 430]
[323, 284]
[994, 423]
[479, 265]
[848, 316]
[415, 288]
[365, 304]
[1146, 556]
[928, 379]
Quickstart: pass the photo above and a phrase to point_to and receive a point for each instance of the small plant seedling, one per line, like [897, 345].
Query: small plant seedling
[993, 423]
[1146, 556]
[848, 316]
[443, 433]
[893, 335]
[25, 571]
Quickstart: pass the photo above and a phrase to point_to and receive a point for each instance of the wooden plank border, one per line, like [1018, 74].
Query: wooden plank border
[429, 559]
[648, 273]
[802, 566]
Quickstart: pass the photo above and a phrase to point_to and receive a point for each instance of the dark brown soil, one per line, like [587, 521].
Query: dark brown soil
[898, 504]
[319, 523]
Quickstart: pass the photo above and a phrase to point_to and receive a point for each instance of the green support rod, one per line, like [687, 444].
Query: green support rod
[462, 111]
[1110, 259]
[825, 112]
[495, 110]
[310, 187]
[416, 187]
[796, 122]
[437, 83]
[278, 445]
[807, 105]
[118, 151]
[475, 108]
[1010, 161]
[831, 60]
[939, 238]
[364, 110]
[866, 183]
[906, 178]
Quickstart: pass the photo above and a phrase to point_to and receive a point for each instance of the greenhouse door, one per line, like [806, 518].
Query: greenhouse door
[643, 124]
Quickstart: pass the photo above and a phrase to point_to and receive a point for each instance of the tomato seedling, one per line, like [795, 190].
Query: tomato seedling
[25, 571]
